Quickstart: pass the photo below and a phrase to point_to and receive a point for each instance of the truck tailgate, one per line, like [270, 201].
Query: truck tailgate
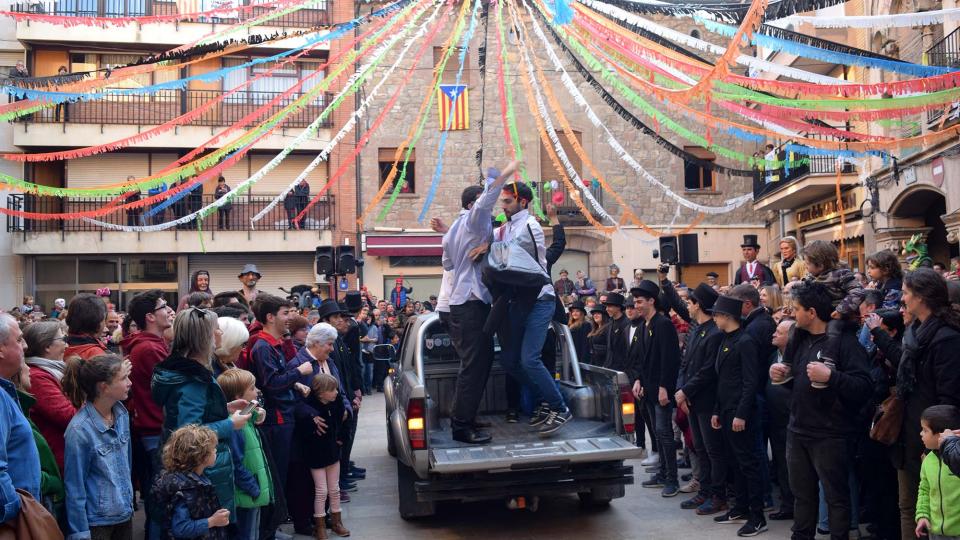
[514, 456]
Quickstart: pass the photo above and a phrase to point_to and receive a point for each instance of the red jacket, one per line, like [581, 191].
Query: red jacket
[52, 412]
[85, 347]
[145, 350]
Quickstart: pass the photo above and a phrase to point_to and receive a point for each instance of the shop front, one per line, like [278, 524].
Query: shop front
[839, 221]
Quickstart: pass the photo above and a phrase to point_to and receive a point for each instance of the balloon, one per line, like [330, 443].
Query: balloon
[555, 185]
[557, 197]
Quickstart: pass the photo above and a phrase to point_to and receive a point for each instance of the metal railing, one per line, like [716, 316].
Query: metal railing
[304, 18]
[768, 182]
[163, 106]
[945, 52]
[235, 218]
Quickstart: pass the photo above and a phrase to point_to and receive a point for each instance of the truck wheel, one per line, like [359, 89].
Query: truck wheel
[409, 507]
[391, 444]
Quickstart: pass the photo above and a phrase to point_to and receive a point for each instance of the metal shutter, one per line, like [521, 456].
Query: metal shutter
[105, 169]
[10, 58]
[278, 270]
[287, 171]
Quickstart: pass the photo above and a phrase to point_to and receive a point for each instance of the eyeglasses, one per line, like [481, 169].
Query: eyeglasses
[161, 306]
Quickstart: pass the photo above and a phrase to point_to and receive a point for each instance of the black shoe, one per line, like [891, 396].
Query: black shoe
[753, 527]
[733, 516]
[654, 482]
[471, 436]
[347, 486]
[512, 417]
[555, 420]
[356, 476]
[653, 470]
[539, 415]
[782, 515]
[480, 424]
[687, 477]
[822, 532]
[357, 470]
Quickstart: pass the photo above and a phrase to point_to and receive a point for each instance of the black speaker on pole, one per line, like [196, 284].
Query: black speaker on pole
[689, 249]
[325, 262]
[668, 250]
[346, 260]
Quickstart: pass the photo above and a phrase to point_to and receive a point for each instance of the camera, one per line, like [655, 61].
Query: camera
[663, 268]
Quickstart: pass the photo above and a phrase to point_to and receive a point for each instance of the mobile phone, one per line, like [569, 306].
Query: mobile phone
[250, 407]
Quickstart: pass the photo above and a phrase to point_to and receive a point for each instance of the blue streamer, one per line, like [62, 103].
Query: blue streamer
[435, 181]
[562, 13]
[745, 135]
[154, 210]
[817, 53]
[180, 84]
[811, 151]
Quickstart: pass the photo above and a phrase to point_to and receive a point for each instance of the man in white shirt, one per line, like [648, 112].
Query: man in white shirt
[530, 314]
[752, 268]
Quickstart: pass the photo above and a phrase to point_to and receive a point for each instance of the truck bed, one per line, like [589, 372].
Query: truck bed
[503, 431]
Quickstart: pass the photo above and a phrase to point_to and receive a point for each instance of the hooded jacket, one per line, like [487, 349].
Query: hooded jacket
[52, 411]
[938, 497]
[86, 347]
[145, 350]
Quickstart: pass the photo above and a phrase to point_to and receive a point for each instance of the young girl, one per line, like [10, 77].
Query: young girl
[97, 454]
[938, 500]
[322, 450]
[598, 336]
[846, 293]
[251, 471]
[189, 501]
[885, 274]
[580, 328]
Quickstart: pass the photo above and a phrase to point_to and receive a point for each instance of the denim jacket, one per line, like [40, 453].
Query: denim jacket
[19, 459]
[97, 465]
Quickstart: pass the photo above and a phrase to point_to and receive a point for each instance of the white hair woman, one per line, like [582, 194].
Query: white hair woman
[791, 267]
[233, 336]
[319, 353]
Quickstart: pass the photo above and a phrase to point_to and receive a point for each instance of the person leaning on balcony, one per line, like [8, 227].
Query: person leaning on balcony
[790, 267]
[62, 71]
[223, 212]
[20, 72]
[133, 214]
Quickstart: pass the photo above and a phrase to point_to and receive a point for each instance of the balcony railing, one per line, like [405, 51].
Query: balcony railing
[235, 218]
[818, 165]
[568, 211]
[147, 110]
[304, 18]
[945, 52]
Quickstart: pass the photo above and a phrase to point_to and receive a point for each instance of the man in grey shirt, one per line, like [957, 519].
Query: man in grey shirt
[463, 247]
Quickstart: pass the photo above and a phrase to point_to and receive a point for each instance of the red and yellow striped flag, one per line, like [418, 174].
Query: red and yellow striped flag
[453, 106]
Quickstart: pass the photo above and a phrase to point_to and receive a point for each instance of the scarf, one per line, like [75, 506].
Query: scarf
[53, 367]
[915, 340]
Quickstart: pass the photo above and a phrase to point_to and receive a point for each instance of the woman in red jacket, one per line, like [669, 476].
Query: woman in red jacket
[53, 411]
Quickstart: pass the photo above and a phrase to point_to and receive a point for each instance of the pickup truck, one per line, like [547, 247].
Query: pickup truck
[585, 457]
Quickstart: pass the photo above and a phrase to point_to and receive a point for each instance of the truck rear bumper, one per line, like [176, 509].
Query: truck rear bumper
[541, 482]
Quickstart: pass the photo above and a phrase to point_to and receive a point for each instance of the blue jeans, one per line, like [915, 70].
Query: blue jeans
[521, 357]
[151, 444]
[367, 376]
[248, 523]
[824, 523]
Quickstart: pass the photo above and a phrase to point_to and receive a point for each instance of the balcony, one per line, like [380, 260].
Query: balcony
[803, 185]
[945, 52]
[567, 211]
[173, 33]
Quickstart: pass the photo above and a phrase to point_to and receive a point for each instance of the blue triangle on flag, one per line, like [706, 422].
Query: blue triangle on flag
[452, 91]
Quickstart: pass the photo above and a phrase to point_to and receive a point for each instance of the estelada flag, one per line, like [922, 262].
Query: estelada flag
[453, 106]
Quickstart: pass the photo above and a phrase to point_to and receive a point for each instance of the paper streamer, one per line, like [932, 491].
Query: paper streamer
[723, 11]
[899, 20]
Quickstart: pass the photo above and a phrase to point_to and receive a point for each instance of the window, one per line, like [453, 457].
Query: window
[385, 162]
[264, 89]
[453, 65]
[695, 177]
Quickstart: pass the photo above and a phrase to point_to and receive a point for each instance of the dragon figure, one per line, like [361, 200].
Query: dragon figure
[916, 252]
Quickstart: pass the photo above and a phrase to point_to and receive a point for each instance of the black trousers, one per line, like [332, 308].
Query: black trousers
[741, 456]
[475, 349]
[350, 436]
[778, 446]
[300, 493]
[828, 460]
[708, 444]
[662, 429]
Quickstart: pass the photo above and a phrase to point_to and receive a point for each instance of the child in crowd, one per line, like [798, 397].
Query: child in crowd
[97, 458]
[938, 500]
[251, 471]
[190, 505]
[322, 450]
[885, 274]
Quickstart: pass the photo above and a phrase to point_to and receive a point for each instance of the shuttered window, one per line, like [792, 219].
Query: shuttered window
[105, 169]
[286, 172]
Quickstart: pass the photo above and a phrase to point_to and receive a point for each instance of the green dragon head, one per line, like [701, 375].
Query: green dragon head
[916, 252]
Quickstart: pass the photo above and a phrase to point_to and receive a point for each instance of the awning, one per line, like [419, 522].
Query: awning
[853, 229]
[400, 245]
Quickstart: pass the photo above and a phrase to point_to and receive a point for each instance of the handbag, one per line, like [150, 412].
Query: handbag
[888, 420]
[33, 522]
[509, 264]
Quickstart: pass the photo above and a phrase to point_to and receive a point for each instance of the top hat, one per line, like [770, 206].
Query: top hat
[705, 297]
[750, 240]
[576, 304]
[330, 307]
[249, 269]
[615, 299]
[646, 289]
[728, 306]
[353, 301]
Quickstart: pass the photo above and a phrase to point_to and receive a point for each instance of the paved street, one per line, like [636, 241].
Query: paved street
[641, 514]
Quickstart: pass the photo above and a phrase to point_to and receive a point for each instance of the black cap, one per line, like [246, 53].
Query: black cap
[713, 275]
[576, 304]
[728, 306]
[615, 299]
[705, 297]
[330, 307]
[646, 289]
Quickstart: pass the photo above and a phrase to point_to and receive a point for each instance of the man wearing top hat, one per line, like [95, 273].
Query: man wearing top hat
[752, 268]
[249, 276]
[697, 395]
[618, 333]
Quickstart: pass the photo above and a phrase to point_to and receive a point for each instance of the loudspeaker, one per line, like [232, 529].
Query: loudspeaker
[689, 249]
[346, 260]
[668, 250]
[325, 262]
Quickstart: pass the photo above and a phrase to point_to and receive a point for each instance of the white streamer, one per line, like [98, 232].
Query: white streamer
[900, 20]
[272, 164]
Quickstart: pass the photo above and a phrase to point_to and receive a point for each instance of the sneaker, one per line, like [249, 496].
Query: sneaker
[712, 506]
[540, 415]
[652, 470]
[655, 481]
[753, 527]
[651, 460]
[513, 417]
[686, 477]
[555, 420]
[693, 503]
[733, 516]
[671, 489]
[353, 475]
[692, 487]
[344, 497]
[348, 487]
[358, 470]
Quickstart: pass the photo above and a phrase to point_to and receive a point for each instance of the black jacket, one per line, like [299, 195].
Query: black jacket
[172, 489]
[618, 332]
[349, 368]
[670, 298]
[660, 354]
[950, 454]
[634, 358]
[698, 376]
[833, 411]
[598, 347]
[580, 342]
[737, 370]
[761, 326]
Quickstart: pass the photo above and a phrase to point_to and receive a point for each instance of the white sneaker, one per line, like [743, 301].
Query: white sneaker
[651, 460]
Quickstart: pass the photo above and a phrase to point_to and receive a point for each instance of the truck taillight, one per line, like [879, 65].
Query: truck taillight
[416, 423]
[627, 407]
